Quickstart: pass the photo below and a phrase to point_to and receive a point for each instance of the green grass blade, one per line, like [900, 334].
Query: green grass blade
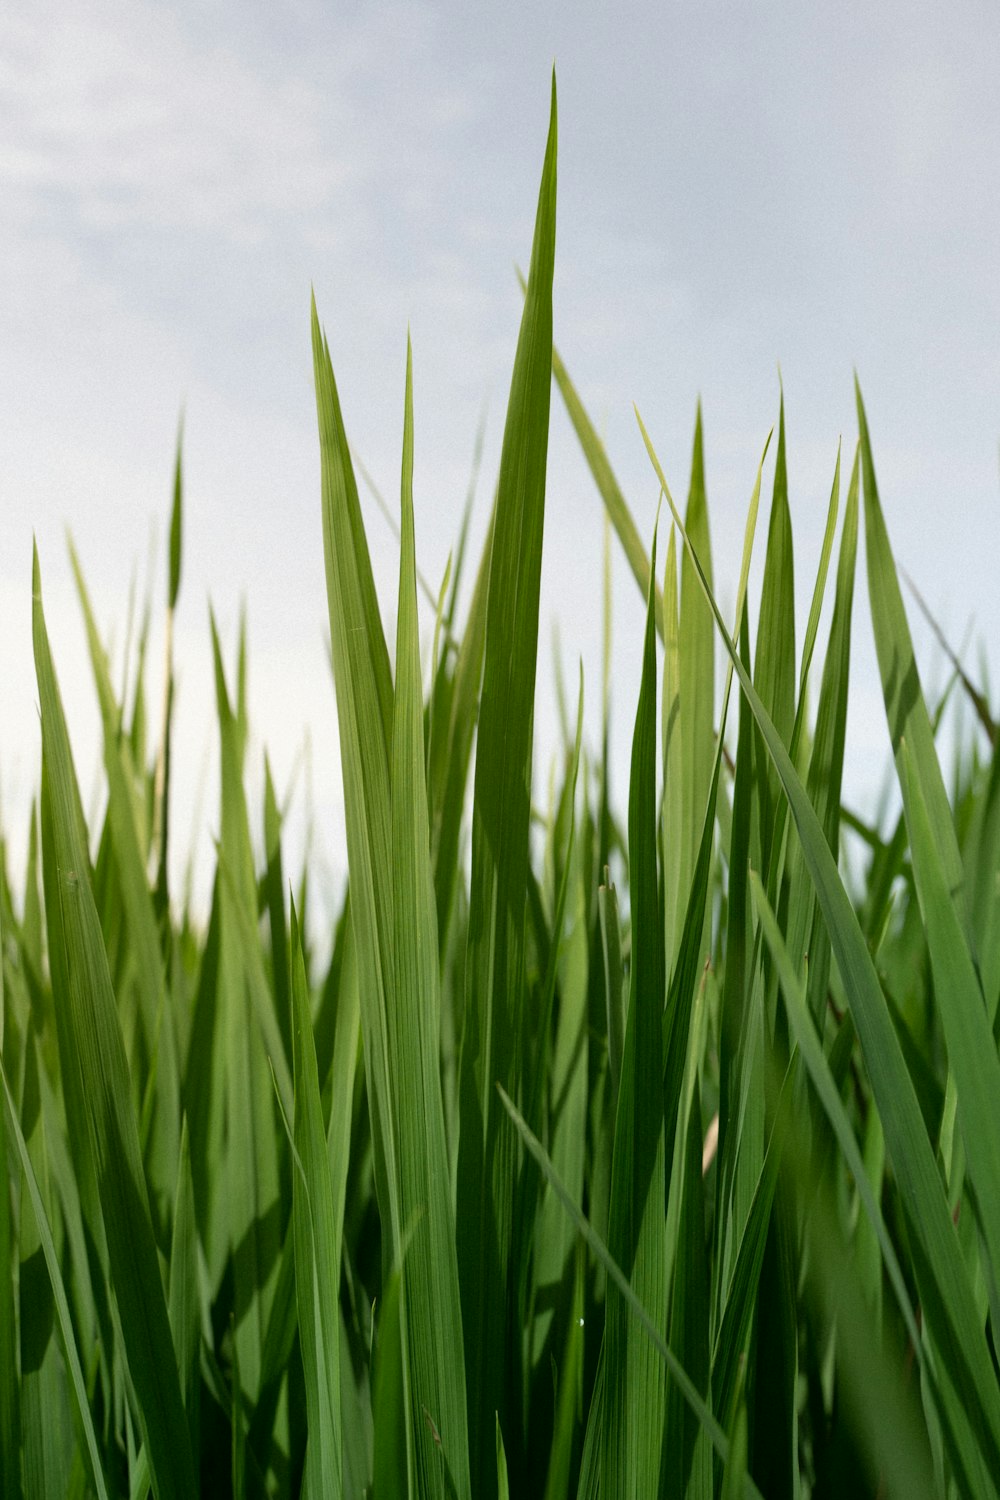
[137, 903]
[183, 1295]
[614, 983]
[774, 660]
[972, 1053]
[10, 1406]
[113, 1134]
[674, 889]
[696, 645]
[364, 712]
[432, 1310]
[816, 604]
[741, 1297]
[635, 1380]
[503, 1483]
[905, 708]
[614, 501]
[252, 1167]
[487, 1166]
[317, 1252]
[274, 885]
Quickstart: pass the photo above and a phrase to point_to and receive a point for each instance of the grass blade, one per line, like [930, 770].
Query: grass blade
[113, 1134]
[487, 1166]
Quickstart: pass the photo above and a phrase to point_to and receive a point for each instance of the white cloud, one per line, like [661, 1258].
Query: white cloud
[117, 116]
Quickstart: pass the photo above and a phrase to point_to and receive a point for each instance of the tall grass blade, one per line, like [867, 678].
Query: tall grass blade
[487, 1165]
[431, 1304]
[635, 1379]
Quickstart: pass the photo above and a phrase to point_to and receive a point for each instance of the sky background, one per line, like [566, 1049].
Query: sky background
[739, 186]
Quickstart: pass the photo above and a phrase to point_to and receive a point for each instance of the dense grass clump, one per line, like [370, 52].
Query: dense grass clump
[540, 1188]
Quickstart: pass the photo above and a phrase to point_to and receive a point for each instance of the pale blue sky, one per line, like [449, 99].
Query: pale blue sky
[738, 185]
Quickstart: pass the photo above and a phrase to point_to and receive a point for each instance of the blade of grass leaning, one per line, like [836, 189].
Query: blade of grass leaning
[905, 708]
[972, 1053]
[487, 1159]
[949, 1308]
[113, 1135]
[607, 485]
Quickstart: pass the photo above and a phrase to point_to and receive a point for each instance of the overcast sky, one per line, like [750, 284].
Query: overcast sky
[739, 185]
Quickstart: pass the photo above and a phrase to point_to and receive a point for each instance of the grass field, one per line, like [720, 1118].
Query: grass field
[686, 1184]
